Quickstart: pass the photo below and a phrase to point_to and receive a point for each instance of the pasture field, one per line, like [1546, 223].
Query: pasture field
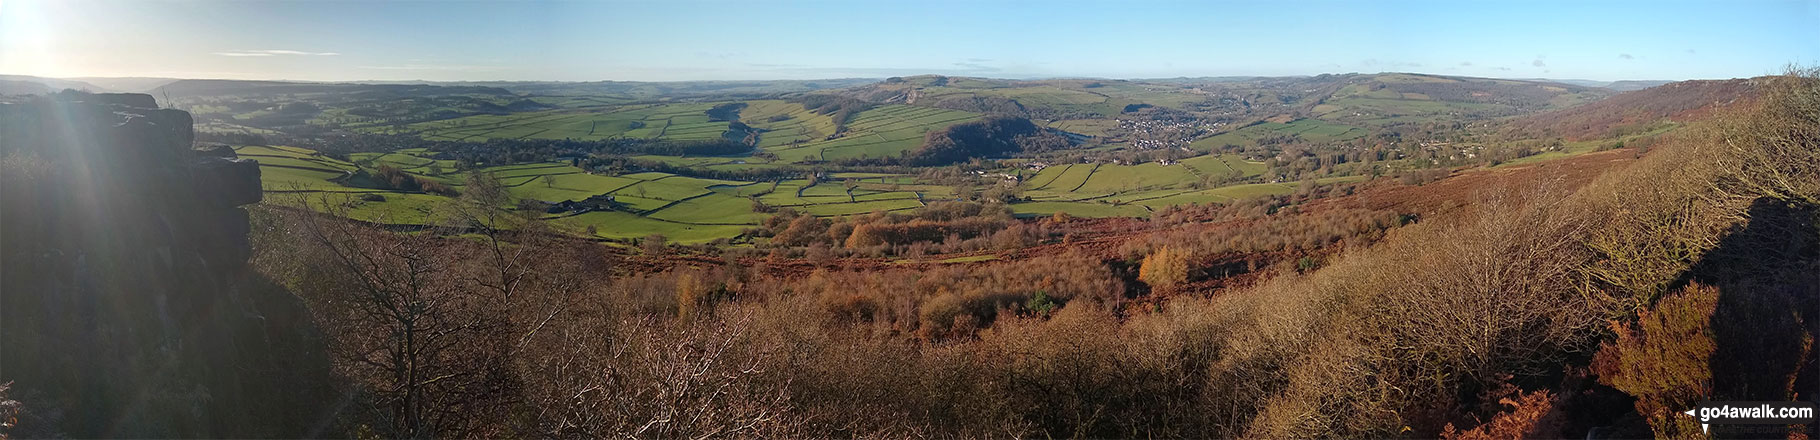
[290, 169]
[224, 127]
[1077, 209]
[666, 189]
[1064, 178]
[743, 190]
[396, 208]
[793, 124]
[1371, 109]
[273, 151]
[1127, 178]
[842, 207]
[581, 101]
[1105, 98]
[1311, 130]
[692, 210]
[413, 160]
[276, 178]
[399, 208]
[1225, 165]
[1090, 127]
[884, 131]
[680, 121]
[565, 183]
[324, 164]
[1072, 181]
[701, 161]
[710, 209]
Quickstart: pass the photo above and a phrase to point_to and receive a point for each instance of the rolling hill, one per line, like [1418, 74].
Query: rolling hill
[1677, 102]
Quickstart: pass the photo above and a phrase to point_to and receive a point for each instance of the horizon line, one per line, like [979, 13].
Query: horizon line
[1012, 78]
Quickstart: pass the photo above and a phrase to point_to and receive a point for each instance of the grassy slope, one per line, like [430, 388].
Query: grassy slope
[879, 132]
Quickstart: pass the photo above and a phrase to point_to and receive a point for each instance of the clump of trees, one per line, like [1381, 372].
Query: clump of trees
[993, 136]
[1166, 268]
[391, 177]
[725, 112]
[992, 105]
[840, 108]
[943, 227]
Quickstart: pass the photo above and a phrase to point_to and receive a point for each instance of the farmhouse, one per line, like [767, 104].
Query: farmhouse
[601, 202]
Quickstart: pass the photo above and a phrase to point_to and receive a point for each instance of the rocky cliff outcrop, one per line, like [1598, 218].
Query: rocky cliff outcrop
[128, 306]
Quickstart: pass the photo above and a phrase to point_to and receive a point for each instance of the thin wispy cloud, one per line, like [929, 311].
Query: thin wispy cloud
[272, 53]
[975, 66]
[1626, 56]
[437, 67]
[719, 55]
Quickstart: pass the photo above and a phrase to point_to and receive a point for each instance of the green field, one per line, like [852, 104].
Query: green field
[566, 183]
[1308, 130]
[669, 121]
[1078, 209]
[879, 132]
[794, 124]
[691, 210]
[1105, 98]
[1102, 190]
[1073, 181]
[1090, 127]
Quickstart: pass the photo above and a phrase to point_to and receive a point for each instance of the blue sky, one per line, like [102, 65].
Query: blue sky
[693, 40]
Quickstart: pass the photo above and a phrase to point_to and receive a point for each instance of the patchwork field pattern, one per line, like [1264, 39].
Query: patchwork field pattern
[688, 209]
[687, 121]
[1308, 130]
[879, 132]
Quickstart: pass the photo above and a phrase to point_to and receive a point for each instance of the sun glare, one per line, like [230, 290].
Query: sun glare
[26, 39]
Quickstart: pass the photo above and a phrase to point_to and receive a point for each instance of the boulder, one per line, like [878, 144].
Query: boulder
[127, 288]
[227, 182]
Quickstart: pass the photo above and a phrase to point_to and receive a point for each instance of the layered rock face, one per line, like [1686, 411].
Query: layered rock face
[128, 308]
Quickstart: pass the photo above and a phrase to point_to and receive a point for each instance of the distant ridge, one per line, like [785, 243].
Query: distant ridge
[1616, 86]
[1676, 101]
[222, 87]
[128, 84]
[35, 85]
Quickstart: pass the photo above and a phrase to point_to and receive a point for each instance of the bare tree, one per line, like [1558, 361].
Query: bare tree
[511, 242]
[400, 327]
[428, 327]
[656, 378]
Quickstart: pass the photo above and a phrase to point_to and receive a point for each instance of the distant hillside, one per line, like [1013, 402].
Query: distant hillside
[1047, 99]
[1359, 99]
[16, 87]
[1633, 85]
[1391, 98]
[221, 87]
[1681, 102]
[127, 84]
[34, 85]
[678, 89]
[1616, 86]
